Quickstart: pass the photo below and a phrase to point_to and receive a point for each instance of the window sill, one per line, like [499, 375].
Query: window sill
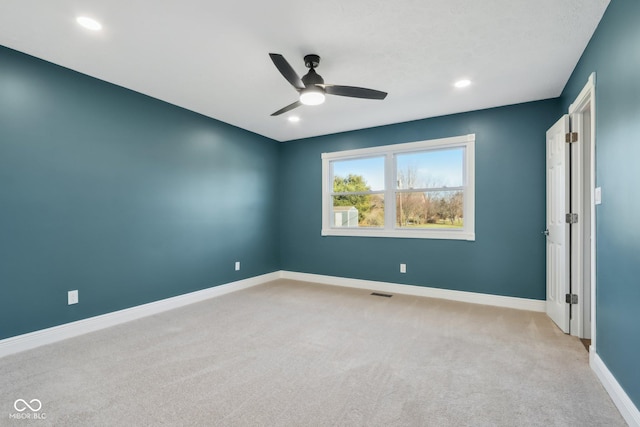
[400, 233]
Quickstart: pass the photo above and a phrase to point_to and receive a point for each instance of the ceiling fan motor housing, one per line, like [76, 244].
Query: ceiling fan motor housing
[312, 78]
[311, 61]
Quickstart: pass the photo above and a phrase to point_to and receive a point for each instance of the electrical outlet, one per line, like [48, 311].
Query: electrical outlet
[403, 268]
[237, 265]
[72, 297]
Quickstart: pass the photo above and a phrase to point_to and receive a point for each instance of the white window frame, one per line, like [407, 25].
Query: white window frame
[389, 152]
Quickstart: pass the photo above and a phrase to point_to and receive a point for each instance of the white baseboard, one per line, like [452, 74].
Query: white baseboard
[622, 401]
[57, 333]
[421, 291]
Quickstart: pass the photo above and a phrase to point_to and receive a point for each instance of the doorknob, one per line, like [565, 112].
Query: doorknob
[546, 232]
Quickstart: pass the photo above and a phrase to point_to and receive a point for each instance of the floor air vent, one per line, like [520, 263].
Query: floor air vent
[381, 295]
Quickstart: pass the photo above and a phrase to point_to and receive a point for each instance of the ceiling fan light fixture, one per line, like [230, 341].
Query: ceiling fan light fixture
[312, 96]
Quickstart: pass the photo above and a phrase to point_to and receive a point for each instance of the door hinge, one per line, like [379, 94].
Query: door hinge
[571, 137]
[571, 218]
[571, 298]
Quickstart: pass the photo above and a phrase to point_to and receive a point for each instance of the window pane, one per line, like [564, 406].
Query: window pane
[430, 169]
[358, 175]
[440, 209]
[358, 211]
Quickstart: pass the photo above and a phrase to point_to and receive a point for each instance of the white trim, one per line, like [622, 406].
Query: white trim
[625, 405]
[592, 79]
[586, 97]
[622, 401]
[58, 333]
[400, 148]
[326, 185]
[389, 152]
[584, 94]
[400, 233]
[390, 181]
[421, 291]
[69, 330]
[54, 334]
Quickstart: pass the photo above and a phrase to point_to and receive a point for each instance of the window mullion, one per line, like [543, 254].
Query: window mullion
[357, 193]
[327, 174]
[469, 184]
[430, 190]
[389, 191]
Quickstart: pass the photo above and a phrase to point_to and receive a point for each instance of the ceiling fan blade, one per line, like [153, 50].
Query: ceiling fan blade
[287, 108]
[286, 70]
[354, 92]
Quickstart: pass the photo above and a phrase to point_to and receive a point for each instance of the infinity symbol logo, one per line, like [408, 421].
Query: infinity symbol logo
[21, 405]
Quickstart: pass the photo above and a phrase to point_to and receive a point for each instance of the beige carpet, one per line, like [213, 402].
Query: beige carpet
[295, 354]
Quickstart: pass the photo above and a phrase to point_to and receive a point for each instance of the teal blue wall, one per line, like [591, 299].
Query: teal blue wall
[508, 255]
[614, 54]
[121, 196]
[131, 200]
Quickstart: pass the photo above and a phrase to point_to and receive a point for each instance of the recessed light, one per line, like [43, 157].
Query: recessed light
[89, 23]
[462, 83]
[294, 119]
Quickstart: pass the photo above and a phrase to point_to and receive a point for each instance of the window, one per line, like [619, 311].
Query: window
[416, 190]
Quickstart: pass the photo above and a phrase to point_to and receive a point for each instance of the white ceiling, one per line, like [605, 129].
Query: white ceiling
[212, 56]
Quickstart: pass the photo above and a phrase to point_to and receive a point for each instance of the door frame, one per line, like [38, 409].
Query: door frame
[585, 103]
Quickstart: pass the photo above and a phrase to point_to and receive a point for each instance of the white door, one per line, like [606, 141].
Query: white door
[558, 243]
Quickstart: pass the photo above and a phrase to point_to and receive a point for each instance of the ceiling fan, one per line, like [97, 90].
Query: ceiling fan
[312, 88]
